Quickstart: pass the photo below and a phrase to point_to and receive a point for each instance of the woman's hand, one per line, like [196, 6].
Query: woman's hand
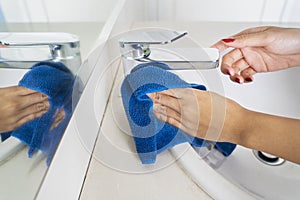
[19, 105]
[202, 114]
[210, 116]
[59, 116]
[260, 49]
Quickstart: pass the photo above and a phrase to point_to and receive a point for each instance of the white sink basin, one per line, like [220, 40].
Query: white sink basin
[242, 175]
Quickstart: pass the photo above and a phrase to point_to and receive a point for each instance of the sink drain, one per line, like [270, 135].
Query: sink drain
[268, 158]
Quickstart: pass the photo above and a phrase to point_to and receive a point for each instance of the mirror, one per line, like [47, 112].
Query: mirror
[17, 171]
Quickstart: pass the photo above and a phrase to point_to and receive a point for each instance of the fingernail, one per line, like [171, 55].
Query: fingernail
[248, 79]
[228, 40]
[230, 73]
[44, 96]
[238, 80]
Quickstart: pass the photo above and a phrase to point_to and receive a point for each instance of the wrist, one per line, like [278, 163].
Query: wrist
[236, 123]
[293, 60]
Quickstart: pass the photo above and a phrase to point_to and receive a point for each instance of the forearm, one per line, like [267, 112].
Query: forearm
[276, 135]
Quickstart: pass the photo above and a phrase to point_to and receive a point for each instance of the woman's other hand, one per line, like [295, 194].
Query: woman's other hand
[260, 49]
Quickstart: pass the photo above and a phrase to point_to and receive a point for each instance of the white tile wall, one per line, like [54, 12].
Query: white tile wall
[15, 10]
[37, 10]
[216, 10]
[56, 10]
[291, 11]
[273, 10]
[188, 10]
[224, 10]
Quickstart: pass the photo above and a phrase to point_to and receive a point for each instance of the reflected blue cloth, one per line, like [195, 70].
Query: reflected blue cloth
[56, 81]
[151, 135]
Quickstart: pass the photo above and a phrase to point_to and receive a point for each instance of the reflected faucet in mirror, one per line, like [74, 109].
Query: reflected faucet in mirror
[22, 50]
[49, 62]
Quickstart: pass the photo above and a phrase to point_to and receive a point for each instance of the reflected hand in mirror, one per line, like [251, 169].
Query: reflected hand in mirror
[59, 117]
[20, 105]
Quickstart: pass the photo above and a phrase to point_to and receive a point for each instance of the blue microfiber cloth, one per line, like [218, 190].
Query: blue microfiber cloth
[56, 81]
[151, 135]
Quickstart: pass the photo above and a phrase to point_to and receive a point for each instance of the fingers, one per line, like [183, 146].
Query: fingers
[166, 106]
[166, 98]
[26, 119]
[252, 37]
[247, 74]
[236, 66]
[243, 76]
[35, 108]
[253, 30]
[59, 117]
[235, 63]
[25, 96]
[174, 105]
[41, 109]
[23, 90]
[168, 115]
[32, 112]
[19, 90]
[248, 40]
[228, 61]
[32, 98]
[220, 45]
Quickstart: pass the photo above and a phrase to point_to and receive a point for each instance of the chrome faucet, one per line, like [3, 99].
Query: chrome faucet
[154, 45]
[22, 50]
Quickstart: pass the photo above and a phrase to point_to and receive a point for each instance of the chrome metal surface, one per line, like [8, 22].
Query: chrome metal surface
[153, 46]
[22, 50]
[268, 158]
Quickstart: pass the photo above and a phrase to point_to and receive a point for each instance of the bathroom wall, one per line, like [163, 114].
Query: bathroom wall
[192, 10]
[224, 10]
[56, 10]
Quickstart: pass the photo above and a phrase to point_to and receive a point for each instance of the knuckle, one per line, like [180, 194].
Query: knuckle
[42, 106]
[157, 96]
[39, 106]
[39, 96]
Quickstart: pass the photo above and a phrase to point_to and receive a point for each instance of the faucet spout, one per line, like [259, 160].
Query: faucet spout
[22, 50]
[148, 46]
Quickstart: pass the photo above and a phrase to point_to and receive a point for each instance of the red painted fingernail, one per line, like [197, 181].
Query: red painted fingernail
[228, 40]
[248, 79]
[238, 80]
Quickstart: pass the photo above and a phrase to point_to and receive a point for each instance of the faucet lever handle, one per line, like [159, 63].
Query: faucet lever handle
[151, 37]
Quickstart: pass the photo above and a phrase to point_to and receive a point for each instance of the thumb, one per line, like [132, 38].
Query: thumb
[259, 39]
